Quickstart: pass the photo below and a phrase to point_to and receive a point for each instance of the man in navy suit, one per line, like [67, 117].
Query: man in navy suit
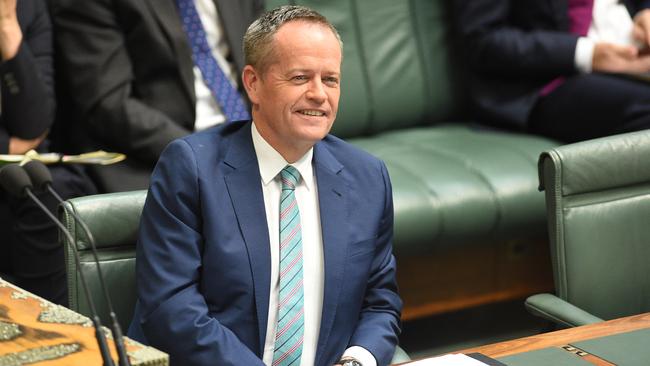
[270, 242]
[553, 67]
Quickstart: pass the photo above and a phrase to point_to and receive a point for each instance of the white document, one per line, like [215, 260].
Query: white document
[449, 360]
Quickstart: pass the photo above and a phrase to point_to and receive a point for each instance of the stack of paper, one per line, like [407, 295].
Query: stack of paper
[448, 360]
[96, 157]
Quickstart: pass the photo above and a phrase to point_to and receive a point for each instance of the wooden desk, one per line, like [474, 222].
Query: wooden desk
[35, 331]
[564, 337]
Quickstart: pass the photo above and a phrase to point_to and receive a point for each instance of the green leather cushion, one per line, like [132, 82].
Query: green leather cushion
[118, 268]
[592, 166]
[453, 184]
[114, 218]
[608, 227]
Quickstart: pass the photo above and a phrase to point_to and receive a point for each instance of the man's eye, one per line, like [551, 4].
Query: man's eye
[331, 81]
[299, 78]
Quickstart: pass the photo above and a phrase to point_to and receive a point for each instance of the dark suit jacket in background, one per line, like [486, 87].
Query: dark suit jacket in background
[27, 79]
[514, 48]
[203, 259]
[29, 251]
[126, 79]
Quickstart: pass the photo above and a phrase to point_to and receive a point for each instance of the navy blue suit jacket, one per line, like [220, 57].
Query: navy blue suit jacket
[26, 81]
[203, 258]
[514, 48]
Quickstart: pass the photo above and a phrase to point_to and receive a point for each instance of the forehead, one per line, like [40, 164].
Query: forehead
[303, 39]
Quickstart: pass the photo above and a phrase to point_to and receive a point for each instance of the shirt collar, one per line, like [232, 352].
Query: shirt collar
[271, 162]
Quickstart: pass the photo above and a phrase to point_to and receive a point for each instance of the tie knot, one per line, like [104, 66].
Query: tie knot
[290, 177]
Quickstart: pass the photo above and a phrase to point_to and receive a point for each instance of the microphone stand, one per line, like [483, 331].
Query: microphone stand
[99, 334]
[123, 358]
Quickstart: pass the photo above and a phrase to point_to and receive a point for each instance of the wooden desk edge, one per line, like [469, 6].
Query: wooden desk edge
[564, 336]
[560, 337]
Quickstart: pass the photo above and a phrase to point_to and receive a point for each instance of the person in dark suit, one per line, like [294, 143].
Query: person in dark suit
[555, 67]
[270, 242]
[30, 254]
[127, 81]
[26, 75]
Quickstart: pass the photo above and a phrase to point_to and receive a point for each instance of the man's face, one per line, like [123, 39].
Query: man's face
[296, 99]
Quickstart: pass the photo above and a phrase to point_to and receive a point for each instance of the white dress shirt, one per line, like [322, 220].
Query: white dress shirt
[611, 22]
[271, 164]
[208, 112]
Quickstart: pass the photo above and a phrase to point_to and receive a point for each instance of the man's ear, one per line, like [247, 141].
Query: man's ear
[251, 79]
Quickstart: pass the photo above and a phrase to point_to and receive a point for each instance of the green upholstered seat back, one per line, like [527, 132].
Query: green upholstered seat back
[598, 198]
[113, 220]
[397, 70]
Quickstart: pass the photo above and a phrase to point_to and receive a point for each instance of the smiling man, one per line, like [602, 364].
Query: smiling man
[269, 242]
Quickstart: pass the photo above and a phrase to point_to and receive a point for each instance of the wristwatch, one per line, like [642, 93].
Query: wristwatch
[350, 362]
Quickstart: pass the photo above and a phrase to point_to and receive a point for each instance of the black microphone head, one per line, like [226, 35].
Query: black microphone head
[14, 180]
[39, 174]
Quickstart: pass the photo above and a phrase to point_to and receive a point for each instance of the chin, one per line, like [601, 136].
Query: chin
[316, 134]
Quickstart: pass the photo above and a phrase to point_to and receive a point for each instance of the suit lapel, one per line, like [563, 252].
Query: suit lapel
[245, 190]
[168, 19]
[332, 197]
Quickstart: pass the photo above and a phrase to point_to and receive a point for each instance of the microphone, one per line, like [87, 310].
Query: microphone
[41, 178]
[17, 183]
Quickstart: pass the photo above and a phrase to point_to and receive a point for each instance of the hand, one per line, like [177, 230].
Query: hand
[20, 146]
[10, 33]
[609, 57]
[641, 29]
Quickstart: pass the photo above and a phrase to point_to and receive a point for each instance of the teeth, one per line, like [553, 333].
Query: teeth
[312, 113]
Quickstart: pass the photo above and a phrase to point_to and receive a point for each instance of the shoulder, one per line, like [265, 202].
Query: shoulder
[211, 145]
[355, 164]
[215, 136]
[348, 154]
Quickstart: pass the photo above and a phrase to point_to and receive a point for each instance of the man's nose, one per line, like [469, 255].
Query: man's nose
[316, 91]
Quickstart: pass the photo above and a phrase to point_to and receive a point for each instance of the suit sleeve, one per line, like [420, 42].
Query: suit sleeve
[99, 70]
[175, 316]
[27, 80]
[379, 321]
[494, 45]
[641, 5]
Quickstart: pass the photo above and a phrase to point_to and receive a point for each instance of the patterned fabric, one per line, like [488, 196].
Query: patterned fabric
[226, 95]
[580, 14]
[290, 325]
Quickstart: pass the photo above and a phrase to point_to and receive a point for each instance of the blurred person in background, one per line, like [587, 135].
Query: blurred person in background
[561, 69]
[134, 75]
[30, 254]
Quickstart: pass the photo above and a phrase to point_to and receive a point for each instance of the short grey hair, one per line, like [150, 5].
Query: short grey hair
[258, 50]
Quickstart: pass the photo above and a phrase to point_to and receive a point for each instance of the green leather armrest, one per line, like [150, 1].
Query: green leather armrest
[559, 311]
[400, 356]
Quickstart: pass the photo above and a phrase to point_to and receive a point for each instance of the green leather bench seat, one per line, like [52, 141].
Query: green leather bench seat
[453, 184]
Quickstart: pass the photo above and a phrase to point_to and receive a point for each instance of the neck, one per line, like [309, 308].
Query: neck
[290, 153]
